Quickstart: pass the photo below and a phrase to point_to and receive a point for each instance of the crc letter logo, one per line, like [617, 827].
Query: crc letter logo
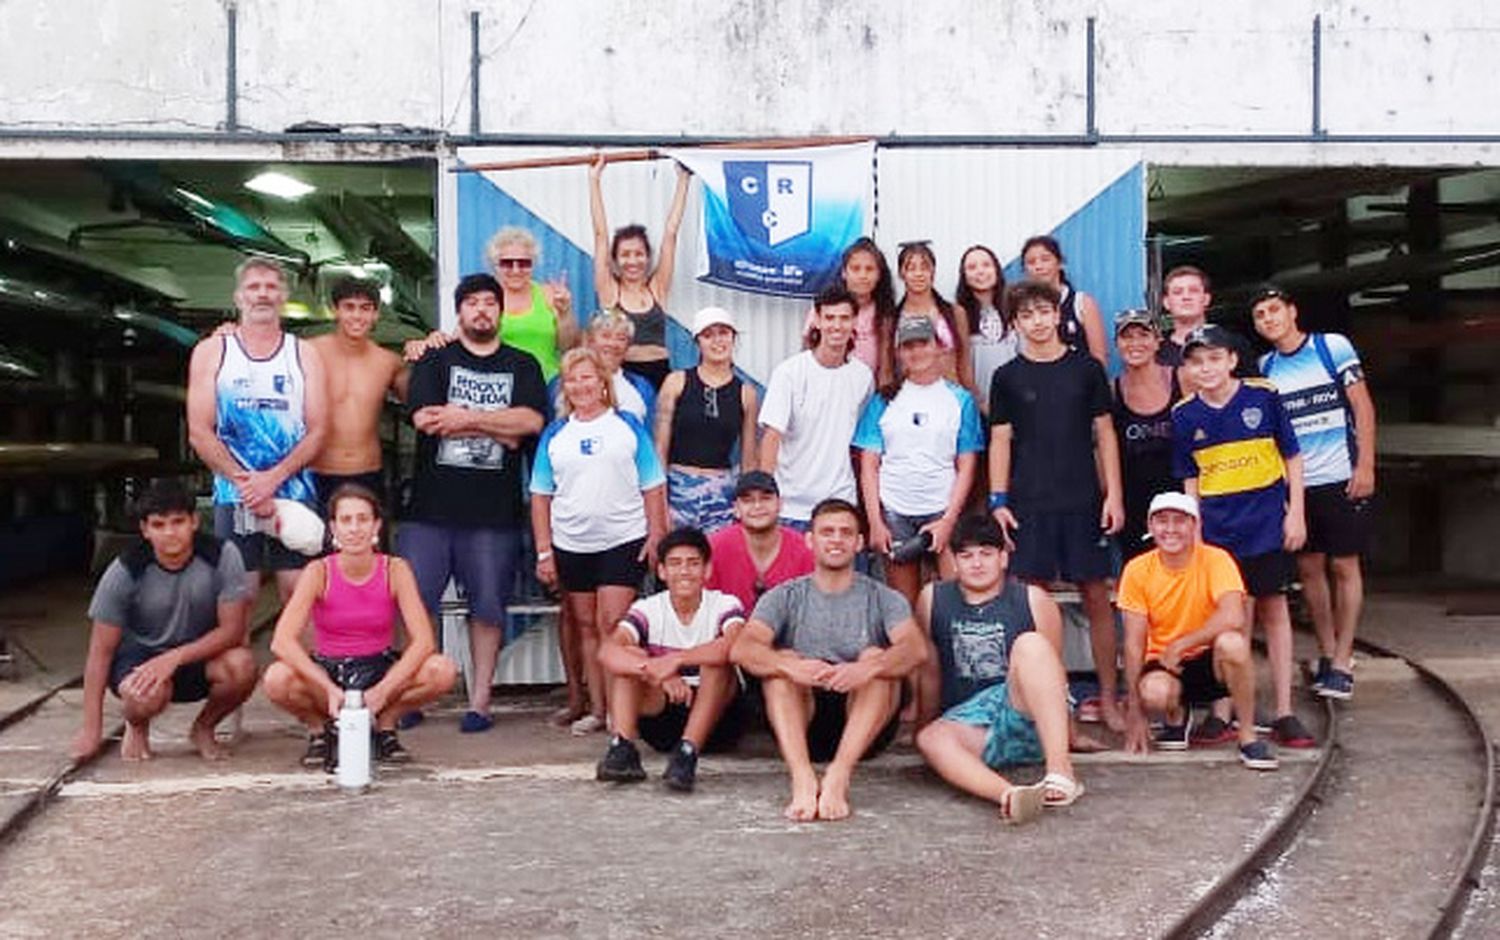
[769, 202]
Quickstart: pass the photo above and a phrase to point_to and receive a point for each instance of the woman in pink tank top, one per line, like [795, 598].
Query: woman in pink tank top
[352, 596]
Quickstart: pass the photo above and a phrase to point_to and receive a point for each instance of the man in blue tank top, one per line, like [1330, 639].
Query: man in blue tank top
[998, 676]
[256, 406]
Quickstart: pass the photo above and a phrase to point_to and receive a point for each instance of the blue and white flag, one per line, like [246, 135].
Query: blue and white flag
[778, 221]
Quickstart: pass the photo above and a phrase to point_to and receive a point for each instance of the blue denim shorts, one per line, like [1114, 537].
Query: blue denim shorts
[482, 562]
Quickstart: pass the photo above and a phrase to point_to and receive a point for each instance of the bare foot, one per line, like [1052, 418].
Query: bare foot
[136, 745]
[207, 744]
[1113, 720]
[833, 795]
[803, 806]
[1081, 742]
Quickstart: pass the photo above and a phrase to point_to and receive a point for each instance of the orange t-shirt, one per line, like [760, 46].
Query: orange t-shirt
[1177, 602]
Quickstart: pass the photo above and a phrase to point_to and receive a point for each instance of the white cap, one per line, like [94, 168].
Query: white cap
[298, 527]
[712, 316]
[1181, 502]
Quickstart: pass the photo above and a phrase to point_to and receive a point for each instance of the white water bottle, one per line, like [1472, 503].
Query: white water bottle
[354, 742]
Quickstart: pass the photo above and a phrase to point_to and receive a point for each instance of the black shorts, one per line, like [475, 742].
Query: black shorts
[1199, 686]
[326, 483]
[1060, 546]
[826, 728]
[584, 572]
[189, 682]
[1337, 525]
[357, 672]
[257, 549]
[1267, 575]
[654, 371]
[664, 729]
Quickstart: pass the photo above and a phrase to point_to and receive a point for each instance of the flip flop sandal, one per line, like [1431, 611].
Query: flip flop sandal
[1021, 804]
[1065, 790]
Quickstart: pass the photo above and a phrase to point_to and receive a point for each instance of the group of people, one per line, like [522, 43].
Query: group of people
[978, 442]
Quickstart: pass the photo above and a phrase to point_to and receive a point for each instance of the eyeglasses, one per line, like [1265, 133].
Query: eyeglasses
[514, 263]
[710, 402]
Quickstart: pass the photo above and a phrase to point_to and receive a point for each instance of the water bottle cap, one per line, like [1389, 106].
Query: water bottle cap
[353, 698]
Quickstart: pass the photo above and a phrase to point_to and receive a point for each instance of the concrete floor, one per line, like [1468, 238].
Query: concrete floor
[509, 831]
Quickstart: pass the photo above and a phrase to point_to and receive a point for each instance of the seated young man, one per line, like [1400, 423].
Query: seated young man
[671, 684]
[831, 649]
[169, 626]
[998, 676]
[1183, 604]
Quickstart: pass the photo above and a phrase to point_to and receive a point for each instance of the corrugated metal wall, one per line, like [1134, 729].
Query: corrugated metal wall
[954, 197]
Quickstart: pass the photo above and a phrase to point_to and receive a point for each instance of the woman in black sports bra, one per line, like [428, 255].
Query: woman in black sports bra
[1081, 325]
[1144, 396]
[625, 280]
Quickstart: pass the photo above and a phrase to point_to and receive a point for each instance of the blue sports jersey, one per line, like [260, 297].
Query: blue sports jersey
[1312, 393]
[1237, 454]
[259, 415]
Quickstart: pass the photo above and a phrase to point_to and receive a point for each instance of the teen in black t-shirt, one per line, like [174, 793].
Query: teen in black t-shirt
[1049, 410]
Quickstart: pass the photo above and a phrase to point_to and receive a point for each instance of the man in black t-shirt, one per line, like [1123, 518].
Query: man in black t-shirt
[474, 404]
[1049, 411]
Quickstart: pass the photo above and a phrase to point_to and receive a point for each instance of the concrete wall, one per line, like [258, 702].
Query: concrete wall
[758, 67]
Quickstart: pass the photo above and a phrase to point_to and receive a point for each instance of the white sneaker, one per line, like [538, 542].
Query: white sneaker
[588, 724]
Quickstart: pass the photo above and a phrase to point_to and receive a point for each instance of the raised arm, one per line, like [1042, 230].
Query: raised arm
[604, 276]
[666, 260]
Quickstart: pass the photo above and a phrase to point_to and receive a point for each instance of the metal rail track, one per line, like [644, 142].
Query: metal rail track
[1237, 883]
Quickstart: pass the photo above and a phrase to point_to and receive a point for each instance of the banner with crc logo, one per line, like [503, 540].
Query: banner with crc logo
[777, 221]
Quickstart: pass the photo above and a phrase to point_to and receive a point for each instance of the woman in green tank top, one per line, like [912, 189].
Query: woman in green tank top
[537, 319]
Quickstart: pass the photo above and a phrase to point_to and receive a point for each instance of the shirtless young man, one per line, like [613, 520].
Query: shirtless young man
[360, 375]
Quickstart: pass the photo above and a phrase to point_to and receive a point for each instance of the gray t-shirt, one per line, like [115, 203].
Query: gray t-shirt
[832, 627]
[161, 609]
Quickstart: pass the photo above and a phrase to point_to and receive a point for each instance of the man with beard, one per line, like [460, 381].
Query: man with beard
[473, 403]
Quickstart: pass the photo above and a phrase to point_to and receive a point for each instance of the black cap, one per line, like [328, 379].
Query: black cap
[477, 284]
[1209, 334]
[1267, 292]
[756, 480]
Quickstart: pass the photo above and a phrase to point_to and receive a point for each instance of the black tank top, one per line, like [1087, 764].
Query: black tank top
[973, 640]
[706, 423]
[650, 326]
[1145, 461]
[1069, 327]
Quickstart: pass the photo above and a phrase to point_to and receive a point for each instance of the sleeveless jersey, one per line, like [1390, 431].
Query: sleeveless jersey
[707, 422]
[259, 415]
[650, 326]
[355, 619]
[534, 331]
[973, 640]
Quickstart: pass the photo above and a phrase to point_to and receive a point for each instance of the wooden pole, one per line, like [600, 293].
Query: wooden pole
[635, 156]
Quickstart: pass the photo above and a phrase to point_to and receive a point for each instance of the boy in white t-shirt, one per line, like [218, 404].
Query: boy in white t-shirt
[812, 405]
[671, 683]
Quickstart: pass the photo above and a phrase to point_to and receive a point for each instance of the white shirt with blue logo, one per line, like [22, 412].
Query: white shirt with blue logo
[259, 414]
[918, 434]
[595, 471]
[1312, 395]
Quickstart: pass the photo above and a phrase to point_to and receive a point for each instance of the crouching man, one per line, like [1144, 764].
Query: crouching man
[999, 678]
[169, 626]
[1185, 644]
[671, 683]
[831, 649]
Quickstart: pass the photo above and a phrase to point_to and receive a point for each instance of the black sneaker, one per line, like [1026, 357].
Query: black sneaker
[1258, 755]
[1289, 732]
[1212, 732]
[682, 767]
[1173, 737]
[331, 736]
[621, 763]
[389, 749]
[317, 750]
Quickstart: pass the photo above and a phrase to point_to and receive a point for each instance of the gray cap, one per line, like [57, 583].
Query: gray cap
[1137, 318]
[911, 329]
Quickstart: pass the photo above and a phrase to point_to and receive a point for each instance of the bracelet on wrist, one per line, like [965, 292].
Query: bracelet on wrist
[998, 500]
[543, 556]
